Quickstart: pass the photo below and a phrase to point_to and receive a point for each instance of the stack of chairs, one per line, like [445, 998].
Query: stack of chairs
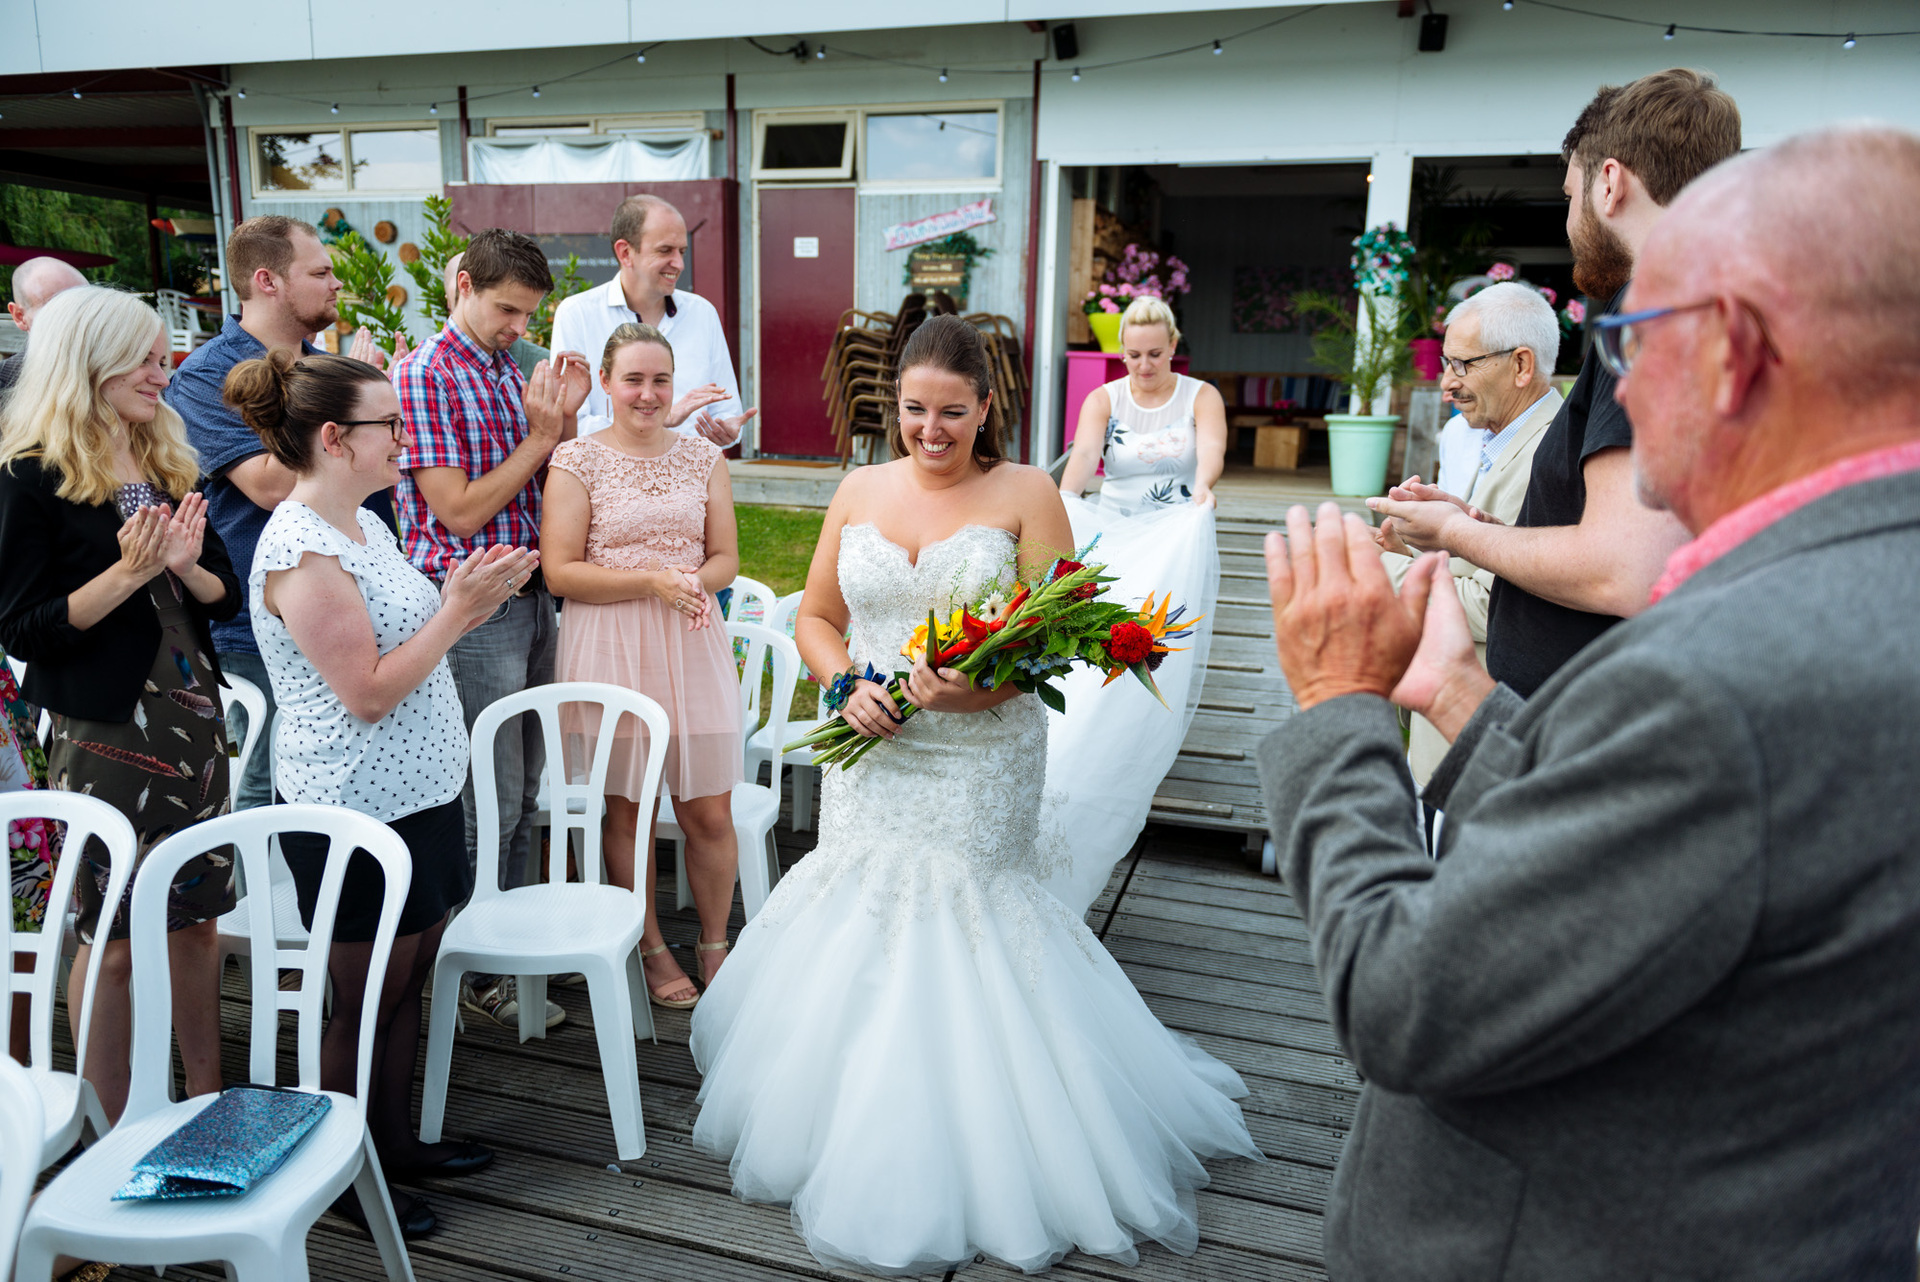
[863, 359]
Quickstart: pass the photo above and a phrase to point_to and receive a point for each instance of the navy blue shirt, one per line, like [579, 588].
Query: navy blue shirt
[223, 441]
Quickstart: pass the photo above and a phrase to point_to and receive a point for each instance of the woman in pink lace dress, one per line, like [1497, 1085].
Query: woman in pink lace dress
[638, 535]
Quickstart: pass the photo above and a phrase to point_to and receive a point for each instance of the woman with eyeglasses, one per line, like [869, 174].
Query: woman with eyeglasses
[354, 640]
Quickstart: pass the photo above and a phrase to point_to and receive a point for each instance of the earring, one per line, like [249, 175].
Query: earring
[981, 428]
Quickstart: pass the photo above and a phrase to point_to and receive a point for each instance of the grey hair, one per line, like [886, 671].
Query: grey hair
[1513, 315]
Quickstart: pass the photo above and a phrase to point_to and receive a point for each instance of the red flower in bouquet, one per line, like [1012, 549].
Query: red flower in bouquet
[1086, 591]
[1129, 643]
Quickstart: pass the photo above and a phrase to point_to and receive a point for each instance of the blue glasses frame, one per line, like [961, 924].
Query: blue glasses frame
[1614, 335]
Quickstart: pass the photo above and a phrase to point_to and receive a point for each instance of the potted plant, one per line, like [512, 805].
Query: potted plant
[1139, 273]
[1367, 347]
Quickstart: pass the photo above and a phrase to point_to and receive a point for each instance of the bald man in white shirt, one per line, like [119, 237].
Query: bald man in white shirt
[650, 242]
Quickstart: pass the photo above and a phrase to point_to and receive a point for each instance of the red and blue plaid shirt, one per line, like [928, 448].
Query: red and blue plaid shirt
[464, 407]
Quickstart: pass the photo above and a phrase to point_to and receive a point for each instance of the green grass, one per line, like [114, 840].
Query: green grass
[776, 544]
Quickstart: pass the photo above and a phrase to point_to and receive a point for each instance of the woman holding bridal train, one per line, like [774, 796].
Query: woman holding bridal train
[1163, 439]
[914, 1044]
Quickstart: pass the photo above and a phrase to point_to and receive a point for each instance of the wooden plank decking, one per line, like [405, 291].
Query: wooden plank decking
[1217, 950]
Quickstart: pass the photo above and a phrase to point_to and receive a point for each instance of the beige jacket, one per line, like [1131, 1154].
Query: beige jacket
[1499, 491]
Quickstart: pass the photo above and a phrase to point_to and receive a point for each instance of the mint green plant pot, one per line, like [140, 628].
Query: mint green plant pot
[1359, 446]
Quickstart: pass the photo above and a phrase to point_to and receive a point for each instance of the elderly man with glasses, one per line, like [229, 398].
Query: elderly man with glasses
[1497, 370]
[1654, 1010]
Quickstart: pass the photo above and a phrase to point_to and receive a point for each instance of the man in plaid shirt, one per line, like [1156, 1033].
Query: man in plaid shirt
[482, 434]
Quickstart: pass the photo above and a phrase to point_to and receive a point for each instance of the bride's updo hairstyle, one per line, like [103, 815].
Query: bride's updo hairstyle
[1148, 310]
[952, 346]
[627, 334]
[287, 398]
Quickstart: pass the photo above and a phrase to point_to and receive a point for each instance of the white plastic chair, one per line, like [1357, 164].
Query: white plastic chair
[753, 602]
[755, 808]
[21, 1125]
[549, 929]
[182, 320]
[235, 927]
[253, 701]
[66, 1100]
[262, 1235]
[761, 745]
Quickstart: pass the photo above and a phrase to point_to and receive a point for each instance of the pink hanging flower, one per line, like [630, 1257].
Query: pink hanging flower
[1576, 311]
[1501, 271]
[1548, 294]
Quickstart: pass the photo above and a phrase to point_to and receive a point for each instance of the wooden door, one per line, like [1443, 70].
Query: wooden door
[805, 283]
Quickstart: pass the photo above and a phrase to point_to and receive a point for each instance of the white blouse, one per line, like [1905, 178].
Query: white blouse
[413, 758]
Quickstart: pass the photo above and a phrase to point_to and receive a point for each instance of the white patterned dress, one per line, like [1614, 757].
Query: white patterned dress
[914, 1044]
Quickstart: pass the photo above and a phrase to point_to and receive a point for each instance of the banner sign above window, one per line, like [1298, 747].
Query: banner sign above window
[598, 158]
[922, 230]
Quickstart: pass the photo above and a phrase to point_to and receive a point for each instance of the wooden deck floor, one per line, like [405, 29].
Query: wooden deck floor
[1217, 950]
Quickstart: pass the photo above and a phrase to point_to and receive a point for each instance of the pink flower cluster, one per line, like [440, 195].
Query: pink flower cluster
[1575, 311]
[28, 834]
[1501, 271]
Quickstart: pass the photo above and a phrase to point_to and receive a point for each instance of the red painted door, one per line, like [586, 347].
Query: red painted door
[806, 285]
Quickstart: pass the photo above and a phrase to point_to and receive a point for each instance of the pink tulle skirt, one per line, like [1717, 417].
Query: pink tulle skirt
[644, 645]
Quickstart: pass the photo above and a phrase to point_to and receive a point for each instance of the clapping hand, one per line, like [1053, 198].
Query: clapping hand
[545, 404]
[694, 401]
[1421, 514]
[1337, 623]
[143, 543]
[480, 583]
[184, 532]
[577, 378]
[368, 352]
[724, 430]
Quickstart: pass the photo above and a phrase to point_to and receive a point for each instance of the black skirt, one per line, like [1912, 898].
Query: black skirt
[442, 879]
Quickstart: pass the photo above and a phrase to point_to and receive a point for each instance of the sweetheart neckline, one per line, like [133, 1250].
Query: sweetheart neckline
[913, 559]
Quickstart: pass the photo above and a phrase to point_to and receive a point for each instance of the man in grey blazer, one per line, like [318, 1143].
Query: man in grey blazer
[1655, 1010]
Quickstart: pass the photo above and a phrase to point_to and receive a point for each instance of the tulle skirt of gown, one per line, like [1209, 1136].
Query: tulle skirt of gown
[928, 1056]
[1108, 752]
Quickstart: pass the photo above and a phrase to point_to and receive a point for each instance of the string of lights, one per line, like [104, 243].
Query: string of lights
[800, 50]
[1847, 39]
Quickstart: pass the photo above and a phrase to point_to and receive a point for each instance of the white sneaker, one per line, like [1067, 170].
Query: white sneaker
[500, 1002]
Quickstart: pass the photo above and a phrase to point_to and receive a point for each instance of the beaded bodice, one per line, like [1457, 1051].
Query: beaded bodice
[648, 513]
[946, 818]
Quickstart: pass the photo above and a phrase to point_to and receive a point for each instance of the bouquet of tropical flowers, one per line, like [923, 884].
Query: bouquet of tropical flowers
[1026, 640]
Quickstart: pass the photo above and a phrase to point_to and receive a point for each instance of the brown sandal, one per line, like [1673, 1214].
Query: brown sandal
[653, 993]
[701, 946]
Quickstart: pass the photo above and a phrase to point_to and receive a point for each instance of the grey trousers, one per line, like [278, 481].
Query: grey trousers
[512, 651]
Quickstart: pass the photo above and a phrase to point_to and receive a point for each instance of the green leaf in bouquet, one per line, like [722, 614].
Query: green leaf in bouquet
[1051, 696]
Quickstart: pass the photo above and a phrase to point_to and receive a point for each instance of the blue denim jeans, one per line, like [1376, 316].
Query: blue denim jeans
[512, 651]
[256, 785]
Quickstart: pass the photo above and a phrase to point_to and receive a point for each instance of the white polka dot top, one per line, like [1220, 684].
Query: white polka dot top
[414, 757]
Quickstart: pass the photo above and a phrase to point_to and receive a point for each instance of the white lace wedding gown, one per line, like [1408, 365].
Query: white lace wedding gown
[916, 1045]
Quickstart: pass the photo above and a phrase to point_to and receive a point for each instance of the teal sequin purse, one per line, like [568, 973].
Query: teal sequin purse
[227, 1147]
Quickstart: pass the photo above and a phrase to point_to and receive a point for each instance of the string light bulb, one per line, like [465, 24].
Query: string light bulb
[1217, 50]
[1076, 77]
[536, 91]
[1669, 35]
[335, 109]
[433, 109]
[243, 93]
[1849, 42]
[640, 58]
[943, 75]
[820, 54]
[76, 93]
[1507, 5]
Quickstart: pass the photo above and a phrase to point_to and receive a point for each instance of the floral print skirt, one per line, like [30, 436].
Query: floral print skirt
[164, 770]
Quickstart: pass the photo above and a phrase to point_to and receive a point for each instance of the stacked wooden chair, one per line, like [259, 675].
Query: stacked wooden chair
[863, 360]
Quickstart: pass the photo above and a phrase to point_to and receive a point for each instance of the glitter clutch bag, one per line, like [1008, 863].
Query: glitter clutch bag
[227, 1147]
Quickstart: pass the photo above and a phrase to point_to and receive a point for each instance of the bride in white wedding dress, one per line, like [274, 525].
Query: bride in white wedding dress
[913, 1043]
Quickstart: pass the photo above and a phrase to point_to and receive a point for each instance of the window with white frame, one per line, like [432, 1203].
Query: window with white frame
[352, 158]
[945, 145]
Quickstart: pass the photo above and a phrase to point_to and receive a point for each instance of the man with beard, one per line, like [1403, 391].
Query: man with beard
[1585, 551]
[284, 278]
[1654, 1010]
